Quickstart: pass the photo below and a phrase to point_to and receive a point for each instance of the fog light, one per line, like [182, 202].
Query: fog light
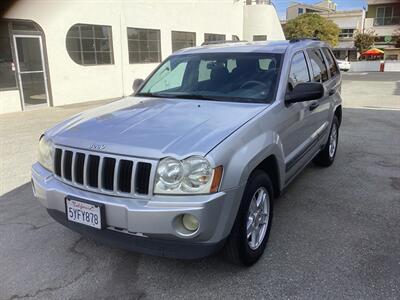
[190, 222]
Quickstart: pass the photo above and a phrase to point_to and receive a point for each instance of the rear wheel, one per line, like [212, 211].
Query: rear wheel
[250, 231]
[327, 155]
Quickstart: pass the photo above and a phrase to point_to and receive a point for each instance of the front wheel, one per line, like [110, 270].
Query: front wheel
[327, 155]
[250, 231]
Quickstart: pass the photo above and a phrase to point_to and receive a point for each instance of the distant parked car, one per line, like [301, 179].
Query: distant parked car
[192, 161]
[343, 65]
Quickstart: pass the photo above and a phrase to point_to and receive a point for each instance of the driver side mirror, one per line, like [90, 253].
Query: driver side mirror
[305, 91]
[137, 83]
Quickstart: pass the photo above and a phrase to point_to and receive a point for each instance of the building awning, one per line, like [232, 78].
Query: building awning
[345, 46]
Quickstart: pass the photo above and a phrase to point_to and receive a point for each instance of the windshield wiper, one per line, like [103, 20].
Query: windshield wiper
[194, 96]
[156, 95]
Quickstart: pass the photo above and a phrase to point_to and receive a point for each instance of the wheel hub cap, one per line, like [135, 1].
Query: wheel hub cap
[258, 217]
[333, 141]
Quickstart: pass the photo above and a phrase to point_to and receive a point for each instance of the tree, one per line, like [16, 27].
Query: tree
[364, 40]
[313, 26]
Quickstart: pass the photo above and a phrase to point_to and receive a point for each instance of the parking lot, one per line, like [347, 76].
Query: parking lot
[335, 233]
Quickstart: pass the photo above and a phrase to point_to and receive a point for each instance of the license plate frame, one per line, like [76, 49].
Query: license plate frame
[86, 205]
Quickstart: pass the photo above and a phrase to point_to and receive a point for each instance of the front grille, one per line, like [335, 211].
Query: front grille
[104, 173]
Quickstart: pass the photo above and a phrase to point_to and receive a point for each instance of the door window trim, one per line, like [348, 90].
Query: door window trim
[325, 63]
[290, 66]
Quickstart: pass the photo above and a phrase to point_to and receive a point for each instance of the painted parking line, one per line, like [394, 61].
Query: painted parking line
[355, 73]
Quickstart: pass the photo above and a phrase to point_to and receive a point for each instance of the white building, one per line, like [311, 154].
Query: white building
[383, 18]
[296, 9]
[68, 51]
[349, 22]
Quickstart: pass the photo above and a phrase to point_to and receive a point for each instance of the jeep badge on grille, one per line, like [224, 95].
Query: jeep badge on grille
[97, 147]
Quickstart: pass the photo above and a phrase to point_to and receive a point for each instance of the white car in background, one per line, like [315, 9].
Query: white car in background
[344, 65]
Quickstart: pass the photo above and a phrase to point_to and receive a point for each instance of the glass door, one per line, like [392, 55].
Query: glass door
[31, 71]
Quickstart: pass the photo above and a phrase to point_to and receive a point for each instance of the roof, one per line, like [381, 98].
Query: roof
[244, 47]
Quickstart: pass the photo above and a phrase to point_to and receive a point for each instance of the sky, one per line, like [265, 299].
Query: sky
[281, 5]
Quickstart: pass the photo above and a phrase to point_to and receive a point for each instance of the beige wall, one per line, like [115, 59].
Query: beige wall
[73, 83]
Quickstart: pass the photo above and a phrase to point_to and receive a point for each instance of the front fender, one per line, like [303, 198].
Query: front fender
[239, 155]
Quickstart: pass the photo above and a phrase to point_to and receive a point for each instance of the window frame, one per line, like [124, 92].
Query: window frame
[290, 67]
[346, 33]
[186, 32]
[334, 62]
[214, 34]
[324, 61]
[81, 52]
[256, 36]
[159, 46]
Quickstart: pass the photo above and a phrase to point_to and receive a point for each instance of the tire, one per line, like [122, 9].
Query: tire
[238, 248]
[326, 157]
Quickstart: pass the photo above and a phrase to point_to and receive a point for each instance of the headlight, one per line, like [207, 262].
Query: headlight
[45, 157]
[193, 175]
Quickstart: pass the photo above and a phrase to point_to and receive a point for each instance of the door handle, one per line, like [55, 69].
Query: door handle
[332, 92]
[313, 106]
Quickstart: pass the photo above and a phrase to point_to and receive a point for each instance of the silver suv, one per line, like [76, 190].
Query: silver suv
[190, 163]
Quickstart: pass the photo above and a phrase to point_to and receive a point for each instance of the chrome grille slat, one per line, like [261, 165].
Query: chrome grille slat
[133, 187]
[62, 163]
[85, 166]
[124, 178]
[100, 173]
[73, 166]
[116, 169]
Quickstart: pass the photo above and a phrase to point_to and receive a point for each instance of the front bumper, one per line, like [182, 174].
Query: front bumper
[147, 226]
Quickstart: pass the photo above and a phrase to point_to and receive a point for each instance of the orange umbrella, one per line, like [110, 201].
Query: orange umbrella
[373, 51]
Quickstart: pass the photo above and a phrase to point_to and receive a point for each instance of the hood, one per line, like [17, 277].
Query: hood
[154, 127]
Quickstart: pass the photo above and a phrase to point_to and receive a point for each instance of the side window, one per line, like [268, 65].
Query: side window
[333, 69]
[298, 70]
[319, 71]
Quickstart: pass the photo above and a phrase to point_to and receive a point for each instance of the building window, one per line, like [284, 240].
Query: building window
[257, 38]
[346, 33]
[387, 15]
[300, 10]
[90, 44]
[144, 45]
[181, 39]
[7, 67]
[212, 37]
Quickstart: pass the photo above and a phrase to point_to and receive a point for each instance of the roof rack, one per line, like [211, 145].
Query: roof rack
[222, 42]
[295, 40]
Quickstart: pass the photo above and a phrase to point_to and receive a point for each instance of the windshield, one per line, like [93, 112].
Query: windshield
[245, 77]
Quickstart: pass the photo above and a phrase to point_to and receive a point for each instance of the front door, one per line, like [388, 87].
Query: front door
[31, 70]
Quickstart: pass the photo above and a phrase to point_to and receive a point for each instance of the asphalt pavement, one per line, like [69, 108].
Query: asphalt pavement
[335, 233]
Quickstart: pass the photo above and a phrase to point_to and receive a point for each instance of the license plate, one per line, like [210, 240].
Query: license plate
[85, 212]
